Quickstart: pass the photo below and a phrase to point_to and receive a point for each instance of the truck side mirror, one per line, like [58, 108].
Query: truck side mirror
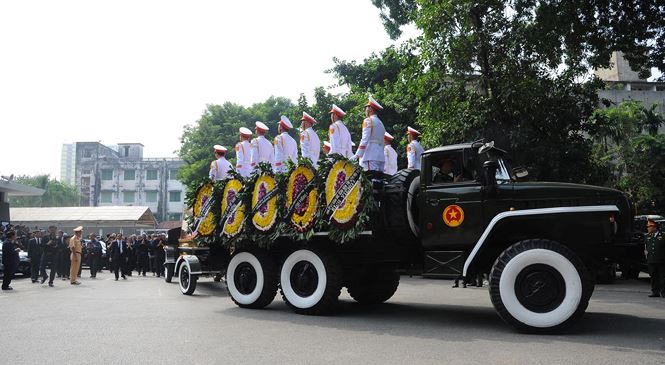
[520, 172]
[490, 172]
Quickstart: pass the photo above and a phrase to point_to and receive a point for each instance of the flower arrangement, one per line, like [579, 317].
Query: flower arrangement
[261, 197]
[302, 199]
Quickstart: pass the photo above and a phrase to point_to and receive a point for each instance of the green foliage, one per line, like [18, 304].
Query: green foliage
[645, 160]
[57, 194]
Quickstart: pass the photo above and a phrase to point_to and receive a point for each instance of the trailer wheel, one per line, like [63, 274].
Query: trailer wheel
[374, 286]
[539, 286]
[187, 280]
[252, 279]
[169, 272]
[311, 282]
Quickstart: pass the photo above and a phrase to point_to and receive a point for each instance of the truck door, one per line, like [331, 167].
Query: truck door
[450, 202]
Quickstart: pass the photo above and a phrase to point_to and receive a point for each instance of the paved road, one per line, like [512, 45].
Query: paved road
[146, 321]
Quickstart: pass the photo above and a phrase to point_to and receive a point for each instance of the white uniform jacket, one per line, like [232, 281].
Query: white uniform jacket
[390, 155]
[370, 147]
[340, 139]
[286, 149]
[310, 146]
[413, 152]
[242, 158]
[219, 169]
[262, 151]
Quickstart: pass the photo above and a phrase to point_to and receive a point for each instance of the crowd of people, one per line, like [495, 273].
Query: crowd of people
[374, 152]
[53, 254]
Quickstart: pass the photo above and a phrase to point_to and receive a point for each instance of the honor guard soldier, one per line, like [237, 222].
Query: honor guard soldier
[413, 149]
[219, 168]
[338, 134]
[286, 147]
[262, 150]
[310, 145]
[326, 148]
[370, 148]
[389, 154]
[243, 153]
[655, 252]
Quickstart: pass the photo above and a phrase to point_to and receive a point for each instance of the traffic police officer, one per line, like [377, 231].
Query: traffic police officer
[413, 149]
[338, 134]
[262, 150]
[76, 250]
[243, 153]
[655, 252]
[219, 169]
[370, 148]
[310, 145]
[285, 146]
[390, 167]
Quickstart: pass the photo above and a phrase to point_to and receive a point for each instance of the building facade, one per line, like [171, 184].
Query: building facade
[67, 163]
[105, 176]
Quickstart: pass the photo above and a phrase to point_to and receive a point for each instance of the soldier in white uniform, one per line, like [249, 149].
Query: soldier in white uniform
[286, 147]
[338, 134]
[370, 148]
[219, 168]
[326, 148]
[262, 150]
[413, 149]
[310, 145]
[390, 167]
[243, 153]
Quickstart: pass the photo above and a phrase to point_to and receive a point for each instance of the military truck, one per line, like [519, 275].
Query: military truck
[465, 213]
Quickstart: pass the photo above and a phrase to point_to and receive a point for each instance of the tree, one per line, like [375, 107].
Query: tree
[56, 193]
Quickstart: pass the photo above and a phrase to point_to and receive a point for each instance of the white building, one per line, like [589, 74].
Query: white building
[109, 177]
[67, 163]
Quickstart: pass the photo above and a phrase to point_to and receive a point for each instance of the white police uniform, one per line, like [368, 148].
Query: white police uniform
[261, 151]
[243, 158]
[219, 169]
[413, 152]
[390, 156]
[286, 148]
[370, 148]
[310, 146]
[340, 139]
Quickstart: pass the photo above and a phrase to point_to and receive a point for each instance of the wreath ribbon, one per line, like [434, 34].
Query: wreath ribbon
[264, 201]
[341, 194]
[300, 197]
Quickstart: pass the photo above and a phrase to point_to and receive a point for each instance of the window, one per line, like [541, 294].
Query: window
[128, 196]
[107, 174]
[126, 152]
[151, 175]
[173, 174]
[106, 197]
[151, 197]
[174, 196]
[130, 174]
[174, 216]
[449, 168]
[86, 171]
[87, 153]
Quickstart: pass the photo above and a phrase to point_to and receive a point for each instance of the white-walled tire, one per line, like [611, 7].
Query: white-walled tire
[539, 286]
[187, 281]
[311, 282]
[251, 278]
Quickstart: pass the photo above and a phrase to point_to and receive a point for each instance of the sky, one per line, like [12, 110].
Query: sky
[139, 71]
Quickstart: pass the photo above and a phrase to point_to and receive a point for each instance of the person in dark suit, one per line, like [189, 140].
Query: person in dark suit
[131, 255]
[94, 250]
[142, 255]
[65, 259]
[35, 251]
[10, 251]
[118, 250]
[49, 256]
[160, 255]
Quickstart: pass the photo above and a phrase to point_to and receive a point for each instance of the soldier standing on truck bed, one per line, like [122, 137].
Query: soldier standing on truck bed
[242, 153]
[413, 149]
[219, 168]
[655, 253]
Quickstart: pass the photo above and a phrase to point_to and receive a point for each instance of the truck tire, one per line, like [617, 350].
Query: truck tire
[374, 286]
[539, 286]
[252, 279]
[403, 188]
[311, 282]
[187, 280]
[168, 276]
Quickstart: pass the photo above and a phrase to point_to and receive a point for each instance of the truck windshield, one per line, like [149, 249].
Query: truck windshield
[504, 173]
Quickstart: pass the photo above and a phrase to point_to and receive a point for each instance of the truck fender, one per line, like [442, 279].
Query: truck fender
[518, 213]
[192, 263]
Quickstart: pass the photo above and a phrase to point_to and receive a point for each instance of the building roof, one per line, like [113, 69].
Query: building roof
[15, 189]
[111, 216]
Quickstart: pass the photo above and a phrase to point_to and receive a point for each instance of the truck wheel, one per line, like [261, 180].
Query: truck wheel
[539, 286]
[374, 286]
[412, 212]
[252, 279]
[169, 272]
[401, 192]
[311, 282]
[187, 280]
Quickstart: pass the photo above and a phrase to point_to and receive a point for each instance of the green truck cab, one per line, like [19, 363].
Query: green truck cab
[464, 214]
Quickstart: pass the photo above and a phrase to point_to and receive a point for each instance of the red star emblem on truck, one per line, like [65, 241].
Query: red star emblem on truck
[453, 216]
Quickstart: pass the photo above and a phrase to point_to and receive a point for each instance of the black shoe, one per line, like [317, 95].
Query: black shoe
[8, 288]
[654, 295]
[43, 280]
[124, 278]
[34, 281]
[50, 284]
[76, 283]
